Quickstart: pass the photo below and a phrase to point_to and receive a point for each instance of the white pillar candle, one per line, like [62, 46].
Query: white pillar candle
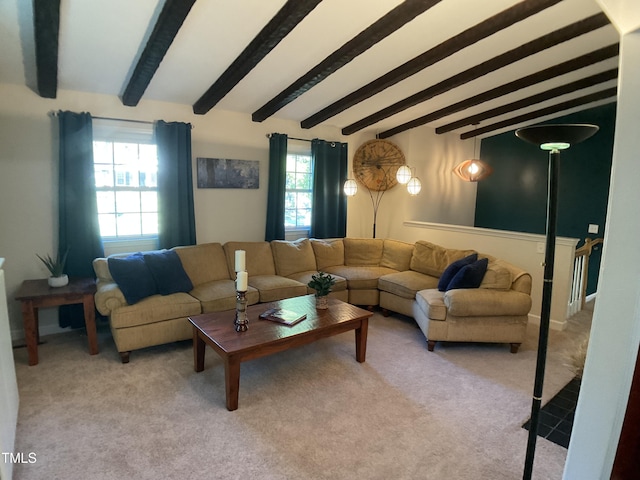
[242, 281]
[240, 261]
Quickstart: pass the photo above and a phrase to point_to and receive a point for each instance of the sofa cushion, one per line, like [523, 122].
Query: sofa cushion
[406, 284]
[481, 302]
[259, 258]
[469, 276]
[396, 255]
[363, 251]
[101, 267]
[305, 278]
[156, 308]
[431, 302]
[453, 269]
[497, 276]
[274, 287]
[432, 259]
[220, 295]
[167, 271]
[203, 263]
[328, 253]
[133, 276]
[293, 257]
[359, 278]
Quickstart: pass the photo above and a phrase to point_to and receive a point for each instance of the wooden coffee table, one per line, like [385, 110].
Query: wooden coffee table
[265, 337]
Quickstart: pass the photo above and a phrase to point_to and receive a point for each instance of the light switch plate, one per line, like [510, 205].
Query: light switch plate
[593, 228]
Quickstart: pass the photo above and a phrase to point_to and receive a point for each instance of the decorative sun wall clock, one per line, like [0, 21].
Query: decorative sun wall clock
[375, 164]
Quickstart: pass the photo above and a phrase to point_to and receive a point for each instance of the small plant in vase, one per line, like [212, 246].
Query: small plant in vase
[322, 283]
[56, 267]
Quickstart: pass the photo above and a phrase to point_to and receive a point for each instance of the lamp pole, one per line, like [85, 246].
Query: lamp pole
[545, 314]
[552, 138]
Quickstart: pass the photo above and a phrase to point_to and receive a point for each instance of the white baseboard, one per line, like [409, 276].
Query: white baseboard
[553, 324]
[45, 328]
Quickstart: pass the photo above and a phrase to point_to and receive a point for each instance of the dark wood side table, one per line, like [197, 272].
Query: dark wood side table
[36, 294]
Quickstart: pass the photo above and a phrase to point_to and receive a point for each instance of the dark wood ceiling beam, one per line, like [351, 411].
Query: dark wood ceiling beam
[472, 35]
[283, 22]
[510, 87]
[164, 31]
[523, 51]
[383, 27]
[576, 102]
[535, 99]
[46, 24]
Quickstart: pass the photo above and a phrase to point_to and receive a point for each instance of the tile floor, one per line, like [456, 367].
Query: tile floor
[556, 417]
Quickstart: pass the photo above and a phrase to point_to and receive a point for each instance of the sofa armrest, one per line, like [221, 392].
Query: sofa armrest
[108, 297]
[483, 302]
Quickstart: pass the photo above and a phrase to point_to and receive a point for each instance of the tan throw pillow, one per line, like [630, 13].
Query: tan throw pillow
[293, 257]
[360, 252]
[101, 267]
[496, 277]
[329, 253]
[203, 263]
[396, 255]
[432, 259]
[259, 257]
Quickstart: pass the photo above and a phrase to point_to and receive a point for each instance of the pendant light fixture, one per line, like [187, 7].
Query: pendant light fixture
[350, 187]
[404, 174]
[474, 169]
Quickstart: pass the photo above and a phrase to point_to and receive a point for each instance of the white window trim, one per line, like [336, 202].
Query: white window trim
[109, 130]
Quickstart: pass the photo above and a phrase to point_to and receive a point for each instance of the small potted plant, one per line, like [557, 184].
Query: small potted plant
[322, 283]
[56, 267]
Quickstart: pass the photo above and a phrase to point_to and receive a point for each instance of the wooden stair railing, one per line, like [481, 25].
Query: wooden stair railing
[578, 295]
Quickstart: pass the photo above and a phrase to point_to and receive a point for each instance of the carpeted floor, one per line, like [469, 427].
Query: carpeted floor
[312, 412]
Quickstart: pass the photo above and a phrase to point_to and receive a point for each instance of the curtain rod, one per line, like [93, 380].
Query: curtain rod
[124, 120]
[53, 113]
[293, 138]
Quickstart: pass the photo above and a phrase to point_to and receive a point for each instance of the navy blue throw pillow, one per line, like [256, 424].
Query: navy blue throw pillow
[454, 268]
[469, 276]
[166, 269]
[133, 277]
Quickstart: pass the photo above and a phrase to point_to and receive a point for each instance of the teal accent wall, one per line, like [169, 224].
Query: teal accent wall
[514, 197]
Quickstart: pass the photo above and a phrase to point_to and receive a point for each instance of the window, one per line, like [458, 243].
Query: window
[126, 172]
[298, 189]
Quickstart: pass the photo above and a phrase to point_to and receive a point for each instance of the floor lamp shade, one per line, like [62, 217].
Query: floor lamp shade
[546, 136]
[552, 138]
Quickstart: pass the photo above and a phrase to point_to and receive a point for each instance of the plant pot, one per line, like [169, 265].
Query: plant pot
[60, 281]
[322, 303]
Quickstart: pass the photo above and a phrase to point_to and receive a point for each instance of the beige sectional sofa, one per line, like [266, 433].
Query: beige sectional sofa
[397, 276]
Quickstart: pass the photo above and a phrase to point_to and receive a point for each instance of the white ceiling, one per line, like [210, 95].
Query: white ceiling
[100, 42]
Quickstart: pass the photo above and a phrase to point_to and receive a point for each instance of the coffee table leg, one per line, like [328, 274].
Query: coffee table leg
[198, 351]
[232, 382]
[361, 340]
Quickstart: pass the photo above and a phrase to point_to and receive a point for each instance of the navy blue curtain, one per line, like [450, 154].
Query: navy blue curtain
[79, 231]
[277, 184]
[329, 216]
[176, 216]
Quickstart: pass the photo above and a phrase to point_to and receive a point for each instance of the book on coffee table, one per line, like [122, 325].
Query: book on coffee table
[282, 315]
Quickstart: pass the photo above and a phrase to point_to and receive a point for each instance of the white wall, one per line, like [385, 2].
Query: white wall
[28, 175]
[28, 178]
[8, 385]
[615, 333]
[444, 198]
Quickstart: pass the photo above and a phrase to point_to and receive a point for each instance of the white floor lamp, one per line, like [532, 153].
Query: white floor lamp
[552, 138]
